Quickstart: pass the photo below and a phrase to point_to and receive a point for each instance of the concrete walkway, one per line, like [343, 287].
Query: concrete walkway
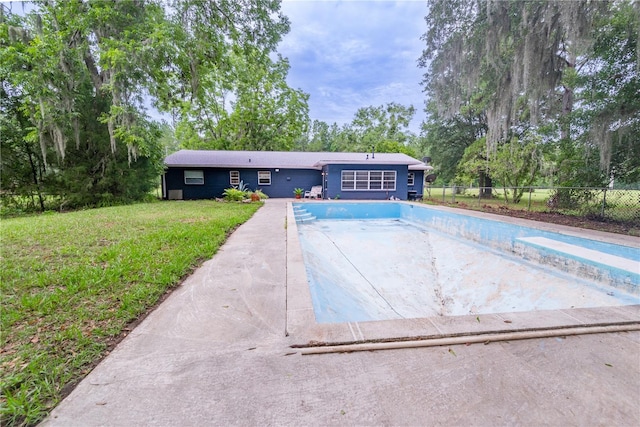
[216, 352]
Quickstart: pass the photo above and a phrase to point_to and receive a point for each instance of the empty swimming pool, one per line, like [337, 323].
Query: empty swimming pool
[385, 260]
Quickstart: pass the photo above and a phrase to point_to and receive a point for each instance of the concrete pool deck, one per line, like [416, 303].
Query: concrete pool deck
[219, 351]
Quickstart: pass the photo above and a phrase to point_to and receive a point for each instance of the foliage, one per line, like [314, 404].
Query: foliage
[505, 58]
[564, 71]
[609, 110]
[222, 84]
[67, 298]
[260, 194]
[298, 191]
[383, 129]
[233, 194]
[474, 162]
[77, 77]
[243, 187]
[447, 139]
[515, 164]
[168, 141]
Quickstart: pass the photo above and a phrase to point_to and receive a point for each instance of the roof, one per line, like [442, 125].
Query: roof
[285, 159]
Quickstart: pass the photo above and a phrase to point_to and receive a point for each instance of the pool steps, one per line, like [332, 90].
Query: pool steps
[582, 253]
[302, 215]
[620, 272]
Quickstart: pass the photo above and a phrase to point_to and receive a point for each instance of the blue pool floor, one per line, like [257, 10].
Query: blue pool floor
[385, 269]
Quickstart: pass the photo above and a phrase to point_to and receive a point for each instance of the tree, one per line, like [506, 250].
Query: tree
[385, 127]
[564, 71]
[475, 165]
[220, 81]
[78, 73]
[509, 57]
[446, 140]
[267, 114]
[75, 113]
[516, 165]
[21, 167]
[609, 110]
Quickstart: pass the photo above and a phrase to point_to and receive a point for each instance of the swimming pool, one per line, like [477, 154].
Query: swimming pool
[368, 261]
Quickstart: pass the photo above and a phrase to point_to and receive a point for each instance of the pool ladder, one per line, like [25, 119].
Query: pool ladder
[302, 215]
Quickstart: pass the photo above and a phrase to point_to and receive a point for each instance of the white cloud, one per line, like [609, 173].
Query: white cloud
[353, 54]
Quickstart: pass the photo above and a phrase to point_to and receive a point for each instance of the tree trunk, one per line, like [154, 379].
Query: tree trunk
[35, 177]
[485, 186]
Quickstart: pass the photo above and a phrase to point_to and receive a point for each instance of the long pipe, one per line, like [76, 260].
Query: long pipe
[473, 339]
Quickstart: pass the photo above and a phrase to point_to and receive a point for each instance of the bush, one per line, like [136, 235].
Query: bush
[234, 195]
[261, 194]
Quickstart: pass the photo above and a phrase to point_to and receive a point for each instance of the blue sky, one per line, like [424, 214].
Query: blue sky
[353, 54]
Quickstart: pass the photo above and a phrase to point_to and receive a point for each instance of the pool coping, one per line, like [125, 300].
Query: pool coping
[307, 333]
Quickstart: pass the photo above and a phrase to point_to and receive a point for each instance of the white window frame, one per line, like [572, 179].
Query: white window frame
[411, 178]
[234, 177]
[194, 177]
[368, 180]
[264, 177]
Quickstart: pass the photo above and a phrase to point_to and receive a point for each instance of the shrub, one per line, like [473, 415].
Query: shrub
[234, 195]
[261, 194]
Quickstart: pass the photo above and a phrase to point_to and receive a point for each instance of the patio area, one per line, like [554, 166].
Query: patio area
[219, 351]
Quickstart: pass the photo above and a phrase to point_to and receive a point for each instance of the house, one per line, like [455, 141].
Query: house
[201, 174]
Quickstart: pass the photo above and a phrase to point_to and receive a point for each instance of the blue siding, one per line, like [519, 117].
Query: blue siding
[333, 183]
[283, 182]
[418, 182]
[214, 183]
[217, 180]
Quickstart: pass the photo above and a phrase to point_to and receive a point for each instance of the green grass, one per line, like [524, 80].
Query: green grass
[70, 284]
[470, 197]
[619, 205]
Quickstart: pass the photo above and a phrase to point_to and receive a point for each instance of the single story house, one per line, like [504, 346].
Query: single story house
[203, 174]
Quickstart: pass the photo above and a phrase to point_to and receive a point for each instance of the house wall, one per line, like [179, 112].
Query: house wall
[217, 180]
[333, 188]
[418, 182]
[283, 182]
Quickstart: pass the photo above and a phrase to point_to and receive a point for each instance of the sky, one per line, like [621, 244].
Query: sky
[352, 54]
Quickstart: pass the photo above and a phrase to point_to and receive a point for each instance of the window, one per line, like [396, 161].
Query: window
[264, 177]
[411, 178]
[389, 180]
[234, 177]
[194, 177]
[368, 180]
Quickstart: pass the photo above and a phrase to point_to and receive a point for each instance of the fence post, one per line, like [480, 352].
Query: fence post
[604, 201]
[453, 194]
[529, 205]
[444, 190]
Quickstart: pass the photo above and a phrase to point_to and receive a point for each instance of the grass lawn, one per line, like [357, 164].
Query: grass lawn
[71, 283]
[616, 205]
[536, 201]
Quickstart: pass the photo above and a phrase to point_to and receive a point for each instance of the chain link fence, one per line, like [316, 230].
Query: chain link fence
[603, 204]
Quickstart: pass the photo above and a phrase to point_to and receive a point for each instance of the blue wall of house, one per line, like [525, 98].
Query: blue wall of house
[283, 182]
[217, 180]
[418, 182]
[333, 174]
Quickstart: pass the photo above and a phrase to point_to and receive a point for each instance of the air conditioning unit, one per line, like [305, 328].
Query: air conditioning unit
[175, 194]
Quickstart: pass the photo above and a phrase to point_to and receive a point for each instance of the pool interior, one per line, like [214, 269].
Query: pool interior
[607, 271]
